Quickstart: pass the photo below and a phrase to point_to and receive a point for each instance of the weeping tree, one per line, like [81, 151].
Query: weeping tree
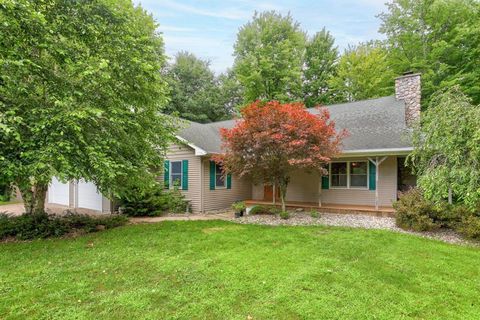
[274, 139]
[80, 95]
[446, 156]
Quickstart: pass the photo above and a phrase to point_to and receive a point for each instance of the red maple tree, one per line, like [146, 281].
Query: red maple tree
[273, 139]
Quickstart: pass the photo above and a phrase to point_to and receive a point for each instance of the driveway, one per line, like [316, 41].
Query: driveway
[17, 209]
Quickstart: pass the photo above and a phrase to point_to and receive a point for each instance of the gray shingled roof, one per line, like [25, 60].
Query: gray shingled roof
[372, 124]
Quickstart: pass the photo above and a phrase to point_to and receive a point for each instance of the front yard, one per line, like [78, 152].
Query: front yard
[222, 270]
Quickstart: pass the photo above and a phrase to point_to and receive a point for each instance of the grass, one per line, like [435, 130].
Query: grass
[221, 270]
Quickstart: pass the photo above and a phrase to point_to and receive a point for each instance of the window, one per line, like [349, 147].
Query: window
[358, 174]
[350, 174]
[339, 174]
[219, 177]
[176, 174]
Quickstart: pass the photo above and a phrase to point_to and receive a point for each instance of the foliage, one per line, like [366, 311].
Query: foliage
[221, 257]
[196, 94]
[314, 214]
[470, 226]
[239, 206]
[268, 57]
[273, 139]
[439, 39]
[42, 225]
[415, 212]
[80, 95]
[320, 65]
[284, 215]
[153, 202]
[447, 149]
[259, 209]
[363, 72]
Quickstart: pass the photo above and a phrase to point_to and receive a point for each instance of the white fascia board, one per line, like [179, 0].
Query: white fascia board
[376, 152]
[198, 151]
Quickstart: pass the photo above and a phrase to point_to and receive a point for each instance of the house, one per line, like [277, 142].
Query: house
[367, 175]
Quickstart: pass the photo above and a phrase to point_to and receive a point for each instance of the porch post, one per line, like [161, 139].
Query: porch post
[274, 189]
[320, 192]
[377, 163]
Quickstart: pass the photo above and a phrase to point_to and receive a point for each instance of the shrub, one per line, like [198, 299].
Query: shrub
[314, 214]
[26, 227]
[238, 206]
[469, 226]
[284, 215]
[258, 209]
[153, 202]
[414, 212]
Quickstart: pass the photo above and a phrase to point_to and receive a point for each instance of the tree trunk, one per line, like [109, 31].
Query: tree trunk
[40, 196]
[283, 192]
[33, 197]
[27, 197]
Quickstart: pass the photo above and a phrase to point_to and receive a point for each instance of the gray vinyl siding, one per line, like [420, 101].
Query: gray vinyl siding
[179, 152]
[223, 198]
[304, 187]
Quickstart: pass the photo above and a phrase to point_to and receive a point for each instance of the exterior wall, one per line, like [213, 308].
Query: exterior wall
[305, 187]
[178, 152]
[223, 198]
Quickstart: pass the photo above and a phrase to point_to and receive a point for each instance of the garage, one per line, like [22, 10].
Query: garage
[88, 196]
[59, 192]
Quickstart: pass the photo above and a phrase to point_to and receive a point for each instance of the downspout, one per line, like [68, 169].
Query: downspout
[201, 185]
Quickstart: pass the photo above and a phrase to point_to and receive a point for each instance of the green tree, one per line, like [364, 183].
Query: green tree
[362, 73]
[320, 65]
[195, 92]
[80, 95]
[447, 149]
[268, 57]
[231, 93]
[439, 39]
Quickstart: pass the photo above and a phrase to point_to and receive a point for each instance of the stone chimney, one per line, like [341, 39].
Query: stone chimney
[407, 88]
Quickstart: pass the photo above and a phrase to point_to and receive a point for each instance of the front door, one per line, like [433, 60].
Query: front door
[268, 193]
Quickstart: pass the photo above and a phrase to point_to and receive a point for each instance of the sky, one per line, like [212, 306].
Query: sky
[209, 28]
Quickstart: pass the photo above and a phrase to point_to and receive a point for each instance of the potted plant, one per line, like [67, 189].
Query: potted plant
[239, 208]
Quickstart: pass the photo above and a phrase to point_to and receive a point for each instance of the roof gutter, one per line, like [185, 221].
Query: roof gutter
[198, 151]
[376, 152]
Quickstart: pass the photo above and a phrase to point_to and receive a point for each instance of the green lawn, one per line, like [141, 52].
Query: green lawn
[221, 270]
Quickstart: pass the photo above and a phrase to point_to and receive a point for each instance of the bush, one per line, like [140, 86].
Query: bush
[154, 202]
[258, 209]
[284, 215]
[35, 226]
[238, 206]
[414, 212]
[314, 214]
[469, 226]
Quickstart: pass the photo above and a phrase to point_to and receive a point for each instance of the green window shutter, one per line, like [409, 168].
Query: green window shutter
[184, 174]
[229, 181]
[166, 174]
[212, 175]
[372, 172]
[325, 182]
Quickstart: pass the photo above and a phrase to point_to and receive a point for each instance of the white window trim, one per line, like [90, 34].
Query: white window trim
[348, 175]
[224, 180]
[181, 174]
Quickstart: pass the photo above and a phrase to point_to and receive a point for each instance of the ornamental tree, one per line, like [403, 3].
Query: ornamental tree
[447, 149]
[80, 95]
[273, 139]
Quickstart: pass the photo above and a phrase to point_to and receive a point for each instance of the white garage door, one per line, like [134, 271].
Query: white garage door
[59, 193]
[88, 196]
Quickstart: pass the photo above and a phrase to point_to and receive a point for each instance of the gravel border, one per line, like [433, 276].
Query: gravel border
[353, 221]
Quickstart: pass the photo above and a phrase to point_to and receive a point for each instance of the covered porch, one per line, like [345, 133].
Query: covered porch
[381, 211]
